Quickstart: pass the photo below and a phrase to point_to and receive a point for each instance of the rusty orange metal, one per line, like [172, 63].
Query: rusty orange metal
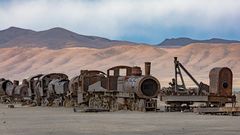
[220, 81]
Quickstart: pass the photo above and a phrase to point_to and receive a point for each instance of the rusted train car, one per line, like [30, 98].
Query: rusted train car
[220, 88]
[122, 87]
[51, 89]
[40, 89]
[216, 94]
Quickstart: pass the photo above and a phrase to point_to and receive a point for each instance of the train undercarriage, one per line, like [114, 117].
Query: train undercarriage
[114, 101]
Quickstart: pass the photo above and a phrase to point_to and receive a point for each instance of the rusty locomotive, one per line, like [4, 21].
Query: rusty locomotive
[123, 87]
[115, 91]
[120, 88]
[40, 89]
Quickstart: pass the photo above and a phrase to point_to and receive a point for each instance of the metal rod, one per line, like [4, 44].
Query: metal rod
[193, 79]
[175, 64]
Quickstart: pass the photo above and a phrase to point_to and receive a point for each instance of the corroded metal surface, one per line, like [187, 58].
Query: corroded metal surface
[143, 86]
[185, 98]
[136, 71]
[147, 68]
[221, 81]
[21, 91]
[218, 93]
[50, 89]
[6, 87]
[123, 87]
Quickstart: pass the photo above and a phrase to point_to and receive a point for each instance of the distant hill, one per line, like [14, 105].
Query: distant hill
[58, 38]
[187, 41]
[12, 33]
[55, 38]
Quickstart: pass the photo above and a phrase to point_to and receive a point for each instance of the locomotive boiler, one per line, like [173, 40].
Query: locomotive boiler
[6, 87]
[6, 90]
[143, 86]
[21, 91]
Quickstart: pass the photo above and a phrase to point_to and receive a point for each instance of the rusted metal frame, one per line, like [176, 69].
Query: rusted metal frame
[185, 98]
[193, 79]
[175, 64]
[181, 77]
[178, 72]
[217, 110]
[178, 67]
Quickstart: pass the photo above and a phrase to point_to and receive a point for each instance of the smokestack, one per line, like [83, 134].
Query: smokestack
[83, 72]
[147, 68]
[25, 82]
[15, 82]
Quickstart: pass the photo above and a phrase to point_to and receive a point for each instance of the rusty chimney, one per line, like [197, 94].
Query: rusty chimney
[25, 82]
[16, 82]
[147, 68]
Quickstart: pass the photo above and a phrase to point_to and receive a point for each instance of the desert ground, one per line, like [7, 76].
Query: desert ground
[63, 121]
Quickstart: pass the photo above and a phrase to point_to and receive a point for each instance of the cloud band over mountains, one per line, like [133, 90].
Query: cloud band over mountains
[134, 20]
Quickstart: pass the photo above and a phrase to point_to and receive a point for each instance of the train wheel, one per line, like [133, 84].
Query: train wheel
[95, 103]
[68, 102]
[45, 102]
[114, 106]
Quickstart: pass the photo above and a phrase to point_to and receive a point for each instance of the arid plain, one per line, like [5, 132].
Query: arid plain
[63, 121]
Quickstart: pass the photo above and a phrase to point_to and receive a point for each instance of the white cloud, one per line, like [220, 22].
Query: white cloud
[111, 18]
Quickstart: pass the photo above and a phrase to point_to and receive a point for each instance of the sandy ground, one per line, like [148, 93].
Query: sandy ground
[63, 121]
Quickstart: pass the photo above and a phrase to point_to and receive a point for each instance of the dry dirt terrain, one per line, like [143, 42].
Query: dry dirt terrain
[63, 121]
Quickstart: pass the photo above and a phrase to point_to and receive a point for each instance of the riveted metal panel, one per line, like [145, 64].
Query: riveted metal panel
[221, 81]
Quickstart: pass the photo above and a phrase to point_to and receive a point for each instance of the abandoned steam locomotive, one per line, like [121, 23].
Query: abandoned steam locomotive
[122, 87]
[39, 89]
[91, 89]
[116, 91]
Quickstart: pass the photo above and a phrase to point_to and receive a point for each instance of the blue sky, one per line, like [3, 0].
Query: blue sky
[148, 21]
